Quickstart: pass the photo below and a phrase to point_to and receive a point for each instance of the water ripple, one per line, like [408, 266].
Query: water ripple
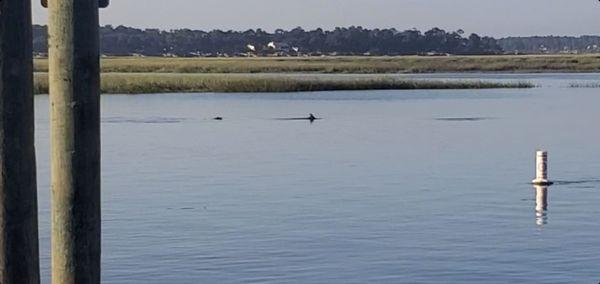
[147, 120]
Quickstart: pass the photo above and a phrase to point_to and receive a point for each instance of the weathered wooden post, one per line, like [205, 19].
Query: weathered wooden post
[74, 72]
[19, 253]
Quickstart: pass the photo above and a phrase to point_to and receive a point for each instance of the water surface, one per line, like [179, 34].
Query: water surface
[390, 187]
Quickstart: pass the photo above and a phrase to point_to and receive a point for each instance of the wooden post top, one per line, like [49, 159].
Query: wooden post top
[101, 3]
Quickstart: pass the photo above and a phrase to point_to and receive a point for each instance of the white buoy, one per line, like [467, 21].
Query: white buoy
[541, 169]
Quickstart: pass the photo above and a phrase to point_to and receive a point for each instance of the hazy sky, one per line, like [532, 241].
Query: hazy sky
[488, 17]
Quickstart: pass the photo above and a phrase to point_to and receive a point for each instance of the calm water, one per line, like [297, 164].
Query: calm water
[390, 187]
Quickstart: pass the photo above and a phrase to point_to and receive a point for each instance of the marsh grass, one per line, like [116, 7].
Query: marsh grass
[139, 83]
[584, 85]
[350, 65]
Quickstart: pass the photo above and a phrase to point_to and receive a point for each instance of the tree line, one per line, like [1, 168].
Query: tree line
[121, 40]
[551, 44]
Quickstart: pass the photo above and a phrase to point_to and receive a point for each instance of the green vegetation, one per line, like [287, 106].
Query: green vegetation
[122, 41]
[584, 85]
[138, 83]
[353, 40]
[349, 65]
[134, 75]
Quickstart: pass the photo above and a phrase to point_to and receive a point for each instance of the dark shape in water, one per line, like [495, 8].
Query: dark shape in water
[311, 117]
[463, 118]
[218, 118]
[577, 182]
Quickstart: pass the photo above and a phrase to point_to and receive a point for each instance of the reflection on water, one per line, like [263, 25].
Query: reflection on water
[581, 183]
[148, 120]
[541, 204]
[458, 119]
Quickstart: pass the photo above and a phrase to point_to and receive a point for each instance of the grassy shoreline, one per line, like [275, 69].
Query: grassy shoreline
[140, 83]
[349, 65]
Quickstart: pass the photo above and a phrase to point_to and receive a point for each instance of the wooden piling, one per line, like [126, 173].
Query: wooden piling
[19, 252]
[74, 72]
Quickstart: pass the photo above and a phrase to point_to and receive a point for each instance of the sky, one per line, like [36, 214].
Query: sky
[497, 18]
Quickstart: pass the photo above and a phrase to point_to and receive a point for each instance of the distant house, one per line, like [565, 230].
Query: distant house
[279, 46]
[435, 53]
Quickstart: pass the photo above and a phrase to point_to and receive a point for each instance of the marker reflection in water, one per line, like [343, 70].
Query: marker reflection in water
[541, 204]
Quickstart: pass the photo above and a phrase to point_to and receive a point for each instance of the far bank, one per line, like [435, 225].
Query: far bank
[350, 65]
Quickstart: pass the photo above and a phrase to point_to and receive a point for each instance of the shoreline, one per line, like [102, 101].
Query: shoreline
[568, 63]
